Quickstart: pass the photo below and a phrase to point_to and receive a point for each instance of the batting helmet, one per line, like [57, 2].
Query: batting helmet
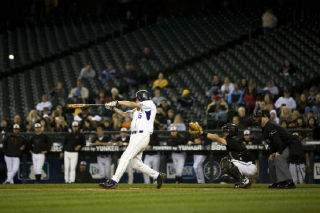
[143, 95]
[232, 129]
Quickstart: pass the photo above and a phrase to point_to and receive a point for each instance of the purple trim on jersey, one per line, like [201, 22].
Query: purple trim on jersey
[148, 114]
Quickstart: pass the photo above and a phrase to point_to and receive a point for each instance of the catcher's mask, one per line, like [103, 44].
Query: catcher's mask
[143, 95]
[230, 128]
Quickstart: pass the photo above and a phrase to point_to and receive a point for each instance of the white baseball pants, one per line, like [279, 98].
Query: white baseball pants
[70, 165]
[198, 161]
[178, 160]
[298, 172]
[38, 161]
[104, 162]
[13, 164]
[153, 161]
[246, 168]
[138, 142]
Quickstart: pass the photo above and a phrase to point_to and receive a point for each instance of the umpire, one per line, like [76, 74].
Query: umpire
[282, 145]
[39, 145]
[13, 146]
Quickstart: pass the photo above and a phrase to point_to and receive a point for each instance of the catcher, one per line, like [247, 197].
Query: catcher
[238, 164]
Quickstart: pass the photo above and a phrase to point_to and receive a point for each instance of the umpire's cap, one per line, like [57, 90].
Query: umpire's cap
[261, 113]
[143, 95]
[232, 129]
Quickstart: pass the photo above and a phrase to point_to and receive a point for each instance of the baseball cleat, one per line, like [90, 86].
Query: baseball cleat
[244, 185]
[108, 184]
[286, 185]
[160, 180]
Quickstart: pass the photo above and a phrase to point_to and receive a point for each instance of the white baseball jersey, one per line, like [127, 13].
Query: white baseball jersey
[143, 119]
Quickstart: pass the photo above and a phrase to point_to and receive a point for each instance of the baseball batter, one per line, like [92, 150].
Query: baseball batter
[39, 145]
[13, 146]
[239, 164]
[143, 114]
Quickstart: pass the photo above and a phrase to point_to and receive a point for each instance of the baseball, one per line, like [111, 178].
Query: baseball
[11, 57]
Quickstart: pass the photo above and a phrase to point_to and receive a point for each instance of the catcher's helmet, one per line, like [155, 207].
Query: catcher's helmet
[232, 129]
[143, 95]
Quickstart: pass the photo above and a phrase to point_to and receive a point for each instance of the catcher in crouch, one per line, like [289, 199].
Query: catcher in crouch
[238, 164]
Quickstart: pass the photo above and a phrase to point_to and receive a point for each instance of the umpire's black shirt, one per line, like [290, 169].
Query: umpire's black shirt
[39, 143]
[72, 140]
[12, 145]
[277, 137]
[237, 151]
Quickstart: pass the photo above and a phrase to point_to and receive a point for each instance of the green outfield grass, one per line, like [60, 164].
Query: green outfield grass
[143, 198]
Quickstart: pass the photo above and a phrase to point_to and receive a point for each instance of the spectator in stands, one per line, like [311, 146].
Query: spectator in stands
[60, 124]
[58, 94]
[146, 55]
[250, 97]
[165, 107]
[160, 119]
[79, 94]
[244, 121]
[87, 72]
[286, 100]
[5, 127]
[107, 125]
[243, 84]
[272, 89]
[215, 87]
[312, 103]
[274, 116]
[186, 100]
[285, 113]
[226, 88]
[101, 98]
[284, 124]
[33, 117]
[131, 75]
[300, 122]
[44, 103]
[287, 68]
[17, 120]
[116, 120]
[46, 113]
[126, 123]
[235, 96]
[109, 73]
[269, 21]
[311, 122]
[129, 22]
[218, 109]
[293, 119]
[87, 126]
[83, 175]
[161, 82]
[170, 117]
[115, 95]
[178, 123]
[236, 121]
[317, 104]
[45, 125]
[157, 97]
[268, 102]
[302, 103]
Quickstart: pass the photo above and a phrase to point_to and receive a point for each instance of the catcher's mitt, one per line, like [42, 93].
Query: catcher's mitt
[195, 129]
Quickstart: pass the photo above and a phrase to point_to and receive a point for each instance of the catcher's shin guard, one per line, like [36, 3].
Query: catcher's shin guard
[230, 169]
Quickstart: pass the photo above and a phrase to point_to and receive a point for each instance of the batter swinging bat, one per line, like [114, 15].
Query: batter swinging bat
[78, 106]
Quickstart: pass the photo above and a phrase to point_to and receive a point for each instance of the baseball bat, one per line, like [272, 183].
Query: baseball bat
[78, 106]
